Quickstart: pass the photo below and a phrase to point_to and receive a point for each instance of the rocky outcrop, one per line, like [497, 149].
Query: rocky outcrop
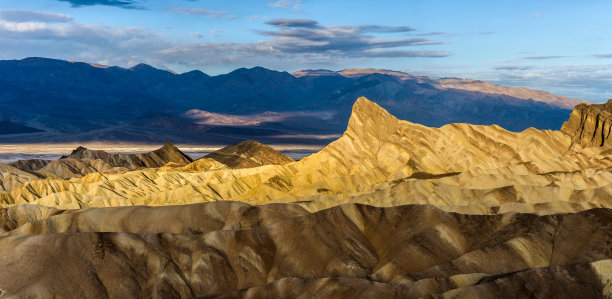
[247, 154]
[31, 164]
[157, 158]
[590, 125]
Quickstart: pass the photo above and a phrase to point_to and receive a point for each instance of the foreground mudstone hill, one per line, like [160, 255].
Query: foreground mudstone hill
[231, 249]
[391, 209]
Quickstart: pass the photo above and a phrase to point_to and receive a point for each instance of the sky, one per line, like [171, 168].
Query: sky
[564, 47]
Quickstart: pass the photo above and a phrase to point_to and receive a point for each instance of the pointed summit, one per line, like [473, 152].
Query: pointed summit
[141, 67]
[368, 117]
[169, 153]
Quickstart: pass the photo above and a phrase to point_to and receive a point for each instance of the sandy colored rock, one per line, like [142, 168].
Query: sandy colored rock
[247, 154]
[590, 125]
[377, 155]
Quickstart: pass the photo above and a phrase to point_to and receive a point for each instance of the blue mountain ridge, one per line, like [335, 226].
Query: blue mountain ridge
[76, 101]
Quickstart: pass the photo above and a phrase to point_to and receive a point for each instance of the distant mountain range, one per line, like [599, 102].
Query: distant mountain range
[76, 102]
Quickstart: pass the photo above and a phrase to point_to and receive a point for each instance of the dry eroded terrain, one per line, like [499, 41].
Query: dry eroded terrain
[390, 209]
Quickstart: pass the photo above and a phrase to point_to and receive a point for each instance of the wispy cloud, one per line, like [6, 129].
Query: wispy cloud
[543, 57]
[306, 43]
[70, 32]
[201, 12]
[215, 32]
[76, 41]
[306, 36]
[589, 82]
[512, 68]
[129, 4]
[404, 53]
[254, 17]
[604, 56]
[26, 15]
[449, 34]
[432, 33]
[385, 29]
[293, 23]
[286, 4]
[196, 34]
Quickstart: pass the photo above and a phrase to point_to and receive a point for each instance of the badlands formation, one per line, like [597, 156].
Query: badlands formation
[392, 209]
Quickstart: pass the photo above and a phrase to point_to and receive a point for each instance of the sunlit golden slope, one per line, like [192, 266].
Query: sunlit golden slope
[379, 160]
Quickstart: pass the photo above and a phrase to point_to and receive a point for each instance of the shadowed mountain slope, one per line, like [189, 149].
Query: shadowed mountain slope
[456, 83]
[7, 128]
[78, 102]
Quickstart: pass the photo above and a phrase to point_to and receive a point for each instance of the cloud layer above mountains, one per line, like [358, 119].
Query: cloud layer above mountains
[302, 39]
[494, 42]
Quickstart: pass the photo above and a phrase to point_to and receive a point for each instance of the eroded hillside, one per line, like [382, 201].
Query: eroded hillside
[231, 249]
[379, 160]
[391, 209]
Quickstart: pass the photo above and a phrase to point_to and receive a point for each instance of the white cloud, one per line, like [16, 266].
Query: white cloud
[197, 34]
[286, 4]
[129, 4]
[588, 82]
[26, 15]
[200, 12]
[215, 32]
[310, 44]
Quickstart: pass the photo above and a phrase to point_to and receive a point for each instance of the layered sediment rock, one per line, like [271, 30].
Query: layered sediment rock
[590, 125]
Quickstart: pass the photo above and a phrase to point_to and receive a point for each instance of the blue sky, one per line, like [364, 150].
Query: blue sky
[564, 47]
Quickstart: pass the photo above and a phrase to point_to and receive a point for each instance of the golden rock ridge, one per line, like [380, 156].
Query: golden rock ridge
[379, 160]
